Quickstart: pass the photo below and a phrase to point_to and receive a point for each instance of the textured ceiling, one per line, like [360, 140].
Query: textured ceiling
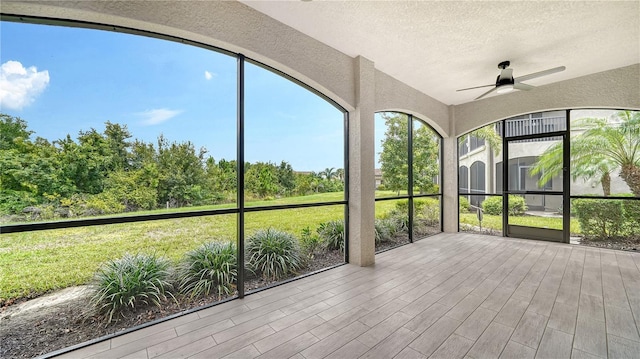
[440, 46]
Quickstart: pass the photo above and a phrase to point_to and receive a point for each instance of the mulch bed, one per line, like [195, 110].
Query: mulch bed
[42, 331]
[624, 244]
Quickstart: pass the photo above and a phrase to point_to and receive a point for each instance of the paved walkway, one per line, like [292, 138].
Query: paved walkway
[446, 296]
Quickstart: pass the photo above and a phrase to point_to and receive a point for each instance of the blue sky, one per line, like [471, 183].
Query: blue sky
[63, 80]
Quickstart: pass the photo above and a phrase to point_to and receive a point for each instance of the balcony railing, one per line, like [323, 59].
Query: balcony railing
[531, 126]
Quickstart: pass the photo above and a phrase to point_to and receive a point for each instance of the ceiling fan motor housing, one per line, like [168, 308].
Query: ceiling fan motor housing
[506, 74]
[500, 81]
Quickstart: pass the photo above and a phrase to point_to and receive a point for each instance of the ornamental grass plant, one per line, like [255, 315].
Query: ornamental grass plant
[273, 254]
[211, 268]
[130, 282]
[332, 235]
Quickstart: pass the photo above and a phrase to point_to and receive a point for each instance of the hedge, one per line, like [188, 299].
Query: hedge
[607, 218]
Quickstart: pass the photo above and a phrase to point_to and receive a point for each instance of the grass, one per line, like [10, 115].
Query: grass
[32, 263]
[495, 222]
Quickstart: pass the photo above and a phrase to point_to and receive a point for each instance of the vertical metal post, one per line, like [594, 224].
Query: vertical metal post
[440, 183]
[505, 181]
[410, 176]
[457, 176]
[566, 180]
[240, 175]
[346, 186]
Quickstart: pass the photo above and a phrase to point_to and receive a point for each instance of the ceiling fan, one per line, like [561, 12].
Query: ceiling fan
[506, 83]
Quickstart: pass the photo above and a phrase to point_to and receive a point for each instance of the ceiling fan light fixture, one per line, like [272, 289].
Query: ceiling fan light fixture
[505, 88]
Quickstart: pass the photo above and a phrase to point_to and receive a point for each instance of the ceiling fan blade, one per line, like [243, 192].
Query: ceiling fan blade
[477, 87]
[486, 93]
[521, 86]
[539, 74]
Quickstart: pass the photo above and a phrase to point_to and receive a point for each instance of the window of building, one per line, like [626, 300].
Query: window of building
[477, 181]
[463, 179]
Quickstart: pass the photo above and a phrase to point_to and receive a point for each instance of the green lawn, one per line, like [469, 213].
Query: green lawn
[32, 263]
[495, 222]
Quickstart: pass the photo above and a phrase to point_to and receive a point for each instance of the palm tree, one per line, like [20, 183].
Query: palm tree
[489, 135]
[603, 147]
[328, 173]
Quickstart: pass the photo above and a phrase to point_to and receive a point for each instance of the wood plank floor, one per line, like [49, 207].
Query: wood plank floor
[446, 296]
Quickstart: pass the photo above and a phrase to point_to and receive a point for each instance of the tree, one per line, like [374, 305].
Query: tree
[134, 189]
[303, 183]
[603, 147]
[316, 182]
[425, 159]
[489, 135]
[328, 173]
[117, 137]
[394, 155]
[12, 128]
[221, 177]
[393, 158]
[261, 179]
[181, 172]
[286, 179]
[86, 163]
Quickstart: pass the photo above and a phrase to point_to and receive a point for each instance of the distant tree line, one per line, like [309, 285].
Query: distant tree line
[110, 172]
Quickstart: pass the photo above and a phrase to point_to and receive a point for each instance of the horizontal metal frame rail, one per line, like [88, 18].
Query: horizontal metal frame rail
[41, 226]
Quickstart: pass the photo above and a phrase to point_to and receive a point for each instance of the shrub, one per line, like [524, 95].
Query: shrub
[309, 242]
[210, 268]
[632, 215]
[102, 203]
[599, 219]
[493, 205]
[14, 202]
[403, 206]
[332, 235]
[273, 253]
[400, 214]
[385, 229]
[464, 205]
[427, 211]
[517, 205]
[129, 282]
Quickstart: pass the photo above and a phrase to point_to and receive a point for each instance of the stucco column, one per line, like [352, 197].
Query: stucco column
[450, 184]
[450, 176]
[361, 167]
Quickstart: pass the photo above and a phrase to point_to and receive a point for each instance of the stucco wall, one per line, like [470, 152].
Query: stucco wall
[393, 95]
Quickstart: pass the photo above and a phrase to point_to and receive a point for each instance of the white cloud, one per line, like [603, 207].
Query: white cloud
[158, 116]
[19, 86]
[208, 75]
